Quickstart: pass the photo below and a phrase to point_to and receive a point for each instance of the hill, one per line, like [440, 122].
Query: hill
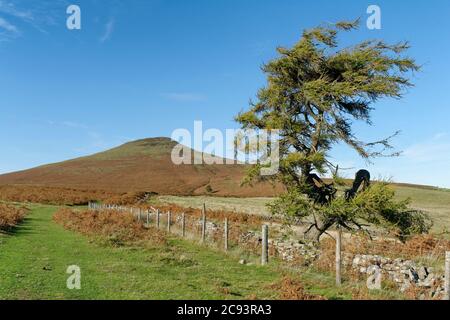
[142, 165]
[146, 166]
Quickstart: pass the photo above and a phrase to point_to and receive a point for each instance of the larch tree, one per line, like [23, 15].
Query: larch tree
[315, 92]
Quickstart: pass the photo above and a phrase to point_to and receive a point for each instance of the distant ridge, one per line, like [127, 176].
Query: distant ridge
[141, 165]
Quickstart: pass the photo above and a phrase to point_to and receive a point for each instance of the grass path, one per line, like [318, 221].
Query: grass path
[35, 257]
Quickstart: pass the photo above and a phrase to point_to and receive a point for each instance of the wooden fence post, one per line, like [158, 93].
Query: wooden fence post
[183, 224]
[203, 223]
[168, 221]
[447, 276]
[225, 233]
[338, 256]
[157, 218]
[148, 217]
[265, 245]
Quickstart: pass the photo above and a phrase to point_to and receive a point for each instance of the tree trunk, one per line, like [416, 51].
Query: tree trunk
[313, 234]
[316, 230]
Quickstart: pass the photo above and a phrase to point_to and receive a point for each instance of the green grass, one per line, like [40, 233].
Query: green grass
[436, 202]
[34, 260]
[323, 284]
[144, 147]
[244, 205]
[35, 256]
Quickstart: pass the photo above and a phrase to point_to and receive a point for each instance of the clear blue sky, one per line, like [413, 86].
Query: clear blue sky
[142, 68]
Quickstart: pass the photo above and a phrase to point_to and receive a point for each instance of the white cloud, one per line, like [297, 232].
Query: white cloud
[68, 124]
[440, 135]
[9, 29]
[10, 9]
[424, 162]
[109, 28]
[436, 149]
[75, 125]
[38, 15]
[184, 97]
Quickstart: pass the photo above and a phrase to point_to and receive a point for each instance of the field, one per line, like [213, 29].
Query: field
[35, 256]
[36, 248]
[436, 202]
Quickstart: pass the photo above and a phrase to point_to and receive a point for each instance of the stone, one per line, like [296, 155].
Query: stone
[405, 286]
[374, 279]
[413, 276]
[422, 273]
[242, 261]
[356, 261]
[405, 273]
[427, 283]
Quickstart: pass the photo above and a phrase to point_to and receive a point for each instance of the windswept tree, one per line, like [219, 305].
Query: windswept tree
[315, 91]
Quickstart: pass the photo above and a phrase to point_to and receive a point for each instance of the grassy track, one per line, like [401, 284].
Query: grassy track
[34, 259]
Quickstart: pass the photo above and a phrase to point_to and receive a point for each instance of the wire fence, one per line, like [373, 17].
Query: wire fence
[254, 239]
[224, 234]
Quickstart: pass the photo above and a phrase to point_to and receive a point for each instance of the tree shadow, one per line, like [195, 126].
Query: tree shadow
[22, 228]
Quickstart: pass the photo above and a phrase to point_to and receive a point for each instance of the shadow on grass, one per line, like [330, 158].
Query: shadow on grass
[21, 228]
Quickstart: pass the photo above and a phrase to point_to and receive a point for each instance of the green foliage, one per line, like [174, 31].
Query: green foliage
[376, 206]
[291, 204]
[315, 91]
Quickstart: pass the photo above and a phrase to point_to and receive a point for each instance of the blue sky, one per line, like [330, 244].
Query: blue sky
[143, 68]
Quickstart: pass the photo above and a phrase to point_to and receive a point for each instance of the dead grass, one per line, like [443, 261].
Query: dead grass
[129, 198]
[236, 219]
[11, 216]
[114, 227]
[292, 289]
[51, 195]
[420, 246]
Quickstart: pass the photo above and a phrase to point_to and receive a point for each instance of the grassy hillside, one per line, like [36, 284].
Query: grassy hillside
[143, 165]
